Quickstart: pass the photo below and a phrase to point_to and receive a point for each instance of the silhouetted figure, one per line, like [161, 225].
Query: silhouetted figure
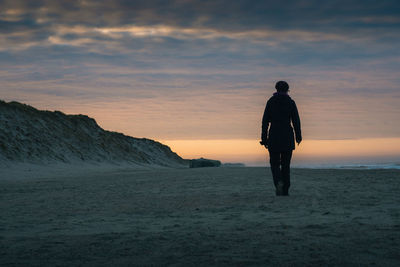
[277, 135]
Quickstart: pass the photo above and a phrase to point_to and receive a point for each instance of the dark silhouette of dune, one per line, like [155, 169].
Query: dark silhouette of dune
[36, 136]
[202, 162]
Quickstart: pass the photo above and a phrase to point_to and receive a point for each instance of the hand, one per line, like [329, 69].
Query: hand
[298, 140]
[264, 143]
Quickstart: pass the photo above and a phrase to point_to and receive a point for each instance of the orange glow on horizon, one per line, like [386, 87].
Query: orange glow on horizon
[245, 150]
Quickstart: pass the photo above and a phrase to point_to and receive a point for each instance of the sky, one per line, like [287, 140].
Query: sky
[196, 74]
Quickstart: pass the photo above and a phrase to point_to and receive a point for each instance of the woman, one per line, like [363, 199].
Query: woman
[277, 135]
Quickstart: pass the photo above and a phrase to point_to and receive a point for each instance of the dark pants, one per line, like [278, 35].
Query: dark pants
[280, 168]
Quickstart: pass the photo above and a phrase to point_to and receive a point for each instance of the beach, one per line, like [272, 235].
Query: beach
[197, 217]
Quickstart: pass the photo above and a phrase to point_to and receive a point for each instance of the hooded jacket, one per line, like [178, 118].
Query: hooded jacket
[279, 116]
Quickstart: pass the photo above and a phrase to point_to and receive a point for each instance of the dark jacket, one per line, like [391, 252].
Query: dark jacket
[279, 115]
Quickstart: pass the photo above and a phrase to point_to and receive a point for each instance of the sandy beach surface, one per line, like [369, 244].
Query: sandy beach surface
[200, 217]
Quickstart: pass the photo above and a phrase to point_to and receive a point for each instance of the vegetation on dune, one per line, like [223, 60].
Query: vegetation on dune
[31, 135]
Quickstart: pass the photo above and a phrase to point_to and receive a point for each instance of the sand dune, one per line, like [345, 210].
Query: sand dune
[28, 135]
[210, 216]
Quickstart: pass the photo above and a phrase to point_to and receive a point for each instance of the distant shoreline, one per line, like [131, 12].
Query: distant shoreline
[378, 166]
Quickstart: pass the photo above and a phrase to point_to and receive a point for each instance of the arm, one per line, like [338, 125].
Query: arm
[265, 125]
[296, 123]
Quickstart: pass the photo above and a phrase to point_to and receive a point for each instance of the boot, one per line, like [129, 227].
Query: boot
[279, 188]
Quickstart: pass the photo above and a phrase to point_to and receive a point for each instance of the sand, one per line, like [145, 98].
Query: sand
[198, 217]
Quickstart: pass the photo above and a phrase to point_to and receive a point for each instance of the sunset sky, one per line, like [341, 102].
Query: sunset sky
[196, 74]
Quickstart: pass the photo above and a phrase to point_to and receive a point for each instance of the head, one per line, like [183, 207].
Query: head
[282, 87]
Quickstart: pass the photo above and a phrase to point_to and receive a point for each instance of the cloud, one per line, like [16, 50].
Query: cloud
[156, 62]
[80, 23]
